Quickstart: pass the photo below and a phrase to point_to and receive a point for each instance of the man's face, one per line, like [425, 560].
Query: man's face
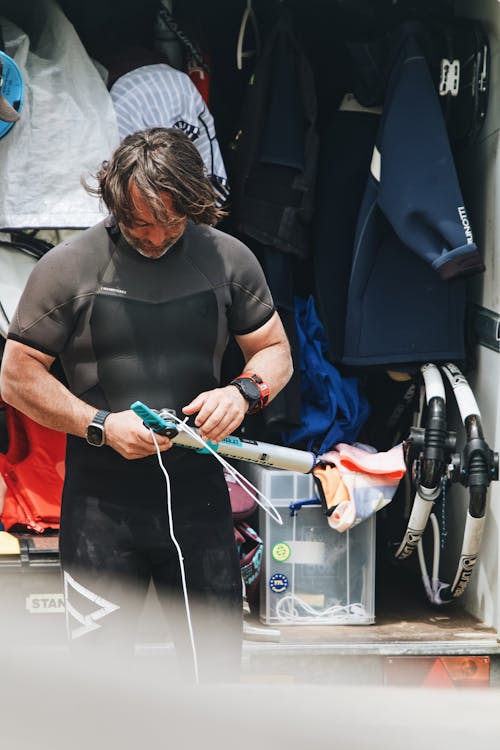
[147, 235]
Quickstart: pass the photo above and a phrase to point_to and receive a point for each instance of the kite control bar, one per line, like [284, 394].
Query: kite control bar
[166, 423]
[435, 465]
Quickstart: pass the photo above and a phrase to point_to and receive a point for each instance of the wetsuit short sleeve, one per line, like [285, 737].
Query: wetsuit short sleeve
[251, 301]
[62, 285]
[45, 315]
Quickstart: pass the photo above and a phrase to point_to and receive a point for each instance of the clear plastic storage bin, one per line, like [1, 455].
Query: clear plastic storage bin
[312, 574]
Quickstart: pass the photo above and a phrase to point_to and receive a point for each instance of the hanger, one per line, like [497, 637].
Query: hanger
[248, 15]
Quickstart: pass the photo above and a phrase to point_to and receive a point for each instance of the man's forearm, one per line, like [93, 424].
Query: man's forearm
[274, 365]
[42, 397]
[267, 354]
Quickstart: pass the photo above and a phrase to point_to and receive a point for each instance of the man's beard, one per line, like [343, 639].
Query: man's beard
[146, 250]
[153, 253]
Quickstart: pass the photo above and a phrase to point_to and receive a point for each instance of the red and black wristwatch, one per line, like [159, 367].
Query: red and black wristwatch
[253, 389]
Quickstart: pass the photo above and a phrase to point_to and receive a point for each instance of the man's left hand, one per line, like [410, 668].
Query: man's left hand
[220, 412]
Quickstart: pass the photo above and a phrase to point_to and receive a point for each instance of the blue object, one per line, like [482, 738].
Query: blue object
[12, 89]
[332, 409]
[278, 583]
[298, 504]
[413, 235]
[153, 420]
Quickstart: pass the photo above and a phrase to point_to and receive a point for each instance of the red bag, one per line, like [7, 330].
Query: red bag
[33, 470]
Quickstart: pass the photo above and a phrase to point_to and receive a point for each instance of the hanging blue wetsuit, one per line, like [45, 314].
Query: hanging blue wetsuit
[413, 245]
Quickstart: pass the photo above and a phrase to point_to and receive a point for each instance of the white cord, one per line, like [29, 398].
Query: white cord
[179, 555]
[239, 478]
[244, 483]
[288, 610]
[436, 553]
[434, 586]
[248, 14]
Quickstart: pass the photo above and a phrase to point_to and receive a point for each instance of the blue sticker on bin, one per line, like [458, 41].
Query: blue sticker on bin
[278, 583]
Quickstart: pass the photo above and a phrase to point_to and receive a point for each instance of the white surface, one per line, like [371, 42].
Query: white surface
[479, 170]
[67, 128]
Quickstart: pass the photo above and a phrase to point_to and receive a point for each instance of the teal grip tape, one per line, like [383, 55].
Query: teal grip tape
[153, 420]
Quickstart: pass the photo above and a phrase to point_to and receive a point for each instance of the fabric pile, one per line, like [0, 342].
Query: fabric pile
[355, 481]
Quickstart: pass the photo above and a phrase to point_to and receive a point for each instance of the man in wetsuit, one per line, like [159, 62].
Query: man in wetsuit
[141, 307]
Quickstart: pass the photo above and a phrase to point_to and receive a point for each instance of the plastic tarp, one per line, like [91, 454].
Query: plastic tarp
[67, 127]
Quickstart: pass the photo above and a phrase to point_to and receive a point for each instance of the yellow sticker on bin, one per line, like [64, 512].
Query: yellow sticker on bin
[281, 552]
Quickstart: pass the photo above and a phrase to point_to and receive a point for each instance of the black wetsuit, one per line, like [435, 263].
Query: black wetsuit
[125, 328]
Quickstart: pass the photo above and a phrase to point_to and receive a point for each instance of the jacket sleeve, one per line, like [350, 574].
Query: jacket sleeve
[418, 188]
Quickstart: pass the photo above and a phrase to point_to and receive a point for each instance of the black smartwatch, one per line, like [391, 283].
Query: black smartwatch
[95, 430]
[250, 391]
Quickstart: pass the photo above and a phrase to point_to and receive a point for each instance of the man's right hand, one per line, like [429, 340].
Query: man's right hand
[125, 433]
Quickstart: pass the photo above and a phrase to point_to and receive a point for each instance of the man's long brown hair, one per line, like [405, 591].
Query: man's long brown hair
[157, 160]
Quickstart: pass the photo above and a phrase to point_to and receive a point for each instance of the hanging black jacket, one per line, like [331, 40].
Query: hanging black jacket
[275, 152]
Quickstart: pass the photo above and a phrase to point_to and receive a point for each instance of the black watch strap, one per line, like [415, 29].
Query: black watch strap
[101, 417]
[253, 388]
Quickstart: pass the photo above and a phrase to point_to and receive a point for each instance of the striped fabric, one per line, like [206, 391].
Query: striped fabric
[161, 96]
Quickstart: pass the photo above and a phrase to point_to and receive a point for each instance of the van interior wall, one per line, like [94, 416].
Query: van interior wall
[479, 169]
[27, 14]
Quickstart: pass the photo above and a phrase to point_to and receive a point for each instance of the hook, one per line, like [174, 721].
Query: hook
[248, 14]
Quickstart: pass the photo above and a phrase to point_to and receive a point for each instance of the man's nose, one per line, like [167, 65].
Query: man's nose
[154, 235]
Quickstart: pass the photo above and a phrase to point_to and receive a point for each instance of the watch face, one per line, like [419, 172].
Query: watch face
[95, 434]
[250, 390]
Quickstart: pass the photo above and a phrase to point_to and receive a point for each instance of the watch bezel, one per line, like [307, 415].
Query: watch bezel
[95, 434]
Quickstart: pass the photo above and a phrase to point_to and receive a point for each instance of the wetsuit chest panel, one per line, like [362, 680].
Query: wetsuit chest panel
[161, 353]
